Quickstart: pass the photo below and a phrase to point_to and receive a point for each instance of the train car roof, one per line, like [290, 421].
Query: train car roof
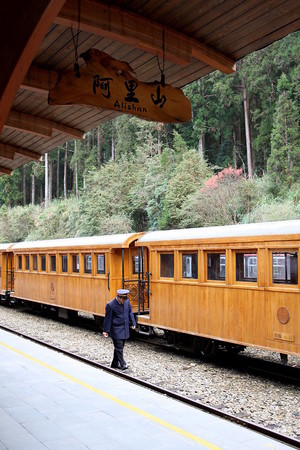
[112, 240]
[4, 247]
[289, 227]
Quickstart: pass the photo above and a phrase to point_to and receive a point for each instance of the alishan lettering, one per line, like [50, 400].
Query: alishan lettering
[124, 106]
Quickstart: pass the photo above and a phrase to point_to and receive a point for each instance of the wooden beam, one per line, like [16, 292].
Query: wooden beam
[39, 126]
[28, 153]
[132, 29]
[29, 124]
[22, 29]
[5, 171]
[38, 79]
[8, 151]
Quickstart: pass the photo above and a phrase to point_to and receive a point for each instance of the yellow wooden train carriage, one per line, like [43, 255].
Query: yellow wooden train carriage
[237, 284]
[80, 274]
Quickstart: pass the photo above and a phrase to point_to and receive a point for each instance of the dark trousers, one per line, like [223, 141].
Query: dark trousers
[118, 359]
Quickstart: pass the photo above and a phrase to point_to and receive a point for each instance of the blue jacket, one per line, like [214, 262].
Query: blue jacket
[118, 319]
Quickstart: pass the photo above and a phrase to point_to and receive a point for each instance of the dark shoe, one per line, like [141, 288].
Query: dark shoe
[123, 367]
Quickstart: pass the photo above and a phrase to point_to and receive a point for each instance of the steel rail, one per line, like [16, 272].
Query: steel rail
[244, 363]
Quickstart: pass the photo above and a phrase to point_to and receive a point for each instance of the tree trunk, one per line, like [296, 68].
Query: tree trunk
[33, 184]
[46, 181]
[99, 155]
[76, 169]
[88, 141]
[57, 174]
[24, 185]
[113, 149]
[201, 144]
[234, 148]
[65, 170]
[247, 129]
[289, 163]
[50, 180]
[32, 188]
[159, 139]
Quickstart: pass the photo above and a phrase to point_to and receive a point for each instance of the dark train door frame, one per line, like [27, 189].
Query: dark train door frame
[9, 272]
[142, 284]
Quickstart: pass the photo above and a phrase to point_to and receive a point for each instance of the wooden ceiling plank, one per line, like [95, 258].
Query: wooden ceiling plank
[263, 25]
[55, 33]
[216, 14]
[135, 30]
[67, 63]
[23, 100]
[238, 27]
[266, 40]
[30, 30]
[185, 11]
[24, 140]
[29, 101]
[230, 20]
[58, 38]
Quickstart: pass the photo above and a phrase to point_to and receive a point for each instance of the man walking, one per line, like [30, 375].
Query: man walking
[118, 318]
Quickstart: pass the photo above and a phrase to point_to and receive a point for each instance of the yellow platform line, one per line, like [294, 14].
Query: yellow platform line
[104, 394]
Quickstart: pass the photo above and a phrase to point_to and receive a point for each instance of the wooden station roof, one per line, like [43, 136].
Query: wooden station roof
[36, 44]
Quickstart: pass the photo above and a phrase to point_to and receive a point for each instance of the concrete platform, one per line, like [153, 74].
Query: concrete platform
[50, 401]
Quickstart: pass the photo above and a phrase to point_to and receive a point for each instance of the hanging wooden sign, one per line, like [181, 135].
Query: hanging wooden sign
[107, 83]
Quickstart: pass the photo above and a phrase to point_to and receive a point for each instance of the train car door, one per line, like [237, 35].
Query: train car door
[9, 272]
[7, 283]
[138, 283]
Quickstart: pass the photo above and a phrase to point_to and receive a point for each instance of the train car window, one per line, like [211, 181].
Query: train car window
[34, 262]
[53, 263]
[43, 263]
[216, 266]
[285, 267]
[26, 262]
[167, 265]
[20, 262]
[64, 263]
[87, 263]
[101, 264]
[246, 267]
[75, 260]
[137, 263]
[190, 265]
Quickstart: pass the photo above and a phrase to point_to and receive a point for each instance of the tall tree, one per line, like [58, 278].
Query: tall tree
[99, 150]
[46, 180]
[247, 129]
[57, 174]
[65, 170]
[284, 160]
[75, 169]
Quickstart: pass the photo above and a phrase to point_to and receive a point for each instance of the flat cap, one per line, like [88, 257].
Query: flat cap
[122, 291]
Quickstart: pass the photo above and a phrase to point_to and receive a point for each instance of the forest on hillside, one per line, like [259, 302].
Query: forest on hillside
[237, 160]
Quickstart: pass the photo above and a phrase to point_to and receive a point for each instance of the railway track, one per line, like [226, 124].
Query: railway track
[295, 443]
[246, 364]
